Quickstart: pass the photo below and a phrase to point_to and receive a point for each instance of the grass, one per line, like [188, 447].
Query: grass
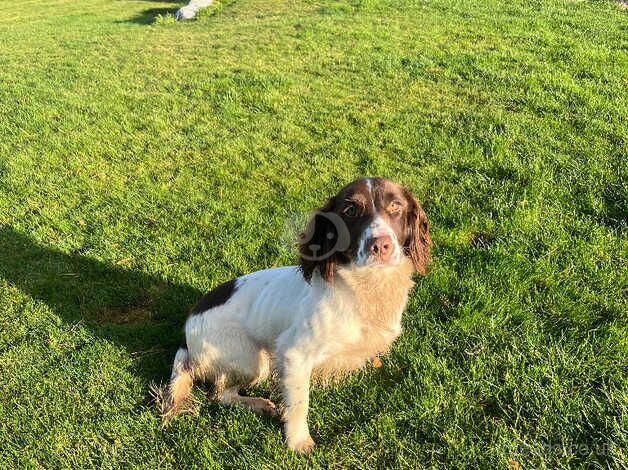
[143, 161]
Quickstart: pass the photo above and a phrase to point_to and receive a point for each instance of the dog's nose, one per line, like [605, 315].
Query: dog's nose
[382, 248]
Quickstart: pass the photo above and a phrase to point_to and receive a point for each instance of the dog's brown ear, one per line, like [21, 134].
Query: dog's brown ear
[317, 244]
[418, 241]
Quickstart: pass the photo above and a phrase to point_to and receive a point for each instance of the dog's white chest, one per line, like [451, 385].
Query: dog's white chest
[378, 299]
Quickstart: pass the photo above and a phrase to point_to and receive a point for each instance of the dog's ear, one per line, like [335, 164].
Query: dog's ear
[418, 241]
[317, 244]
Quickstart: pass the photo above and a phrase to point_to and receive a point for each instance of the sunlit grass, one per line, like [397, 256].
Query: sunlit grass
[143, 161]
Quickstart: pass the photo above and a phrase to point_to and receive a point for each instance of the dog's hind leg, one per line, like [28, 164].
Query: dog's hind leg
[179, 386]
[250, 365]
[261, 406]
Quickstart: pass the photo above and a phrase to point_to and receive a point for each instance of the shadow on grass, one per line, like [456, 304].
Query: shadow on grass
[142, 313]
[150, 16]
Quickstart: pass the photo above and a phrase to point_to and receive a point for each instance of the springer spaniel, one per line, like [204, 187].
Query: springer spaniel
[326, 317]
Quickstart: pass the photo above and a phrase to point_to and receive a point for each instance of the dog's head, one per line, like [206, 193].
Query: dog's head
[371, 220]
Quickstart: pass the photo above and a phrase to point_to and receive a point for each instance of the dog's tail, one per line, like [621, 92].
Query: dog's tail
[179, 387]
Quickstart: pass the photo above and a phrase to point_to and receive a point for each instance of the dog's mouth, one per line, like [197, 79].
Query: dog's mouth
[374, 260]
[392, 261]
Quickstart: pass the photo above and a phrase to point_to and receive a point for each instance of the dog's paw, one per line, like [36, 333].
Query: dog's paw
[267, 408]
[302, 446]
[262, 406]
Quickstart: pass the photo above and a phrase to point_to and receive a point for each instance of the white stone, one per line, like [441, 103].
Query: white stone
[191, 9]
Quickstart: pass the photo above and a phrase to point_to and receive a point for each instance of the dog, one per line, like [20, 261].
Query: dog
[328, 316]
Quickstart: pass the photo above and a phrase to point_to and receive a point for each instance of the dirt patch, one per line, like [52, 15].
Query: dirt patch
[481, 240]
[125, 315]
[139, 312]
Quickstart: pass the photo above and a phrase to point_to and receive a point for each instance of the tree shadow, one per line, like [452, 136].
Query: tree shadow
[144, 314]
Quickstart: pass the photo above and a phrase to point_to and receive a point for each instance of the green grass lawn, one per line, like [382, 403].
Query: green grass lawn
[144, 161]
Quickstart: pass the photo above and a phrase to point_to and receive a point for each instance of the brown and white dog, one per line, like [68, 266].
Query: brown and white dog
[328, 316]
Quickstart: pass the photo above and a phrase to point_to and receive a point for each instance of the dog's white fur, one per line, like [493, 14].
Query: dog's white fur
[317, 329]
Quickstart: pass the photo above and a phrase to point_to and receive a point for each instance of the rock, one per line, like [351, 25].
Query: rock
[191, 9]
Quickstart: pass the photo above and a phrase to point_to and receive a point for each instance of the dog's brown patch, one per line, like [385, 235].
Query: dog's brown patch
[214, 298]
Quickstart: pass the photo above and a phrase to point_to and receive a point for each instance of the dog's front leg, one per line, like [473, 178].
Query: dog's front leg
[295, 373]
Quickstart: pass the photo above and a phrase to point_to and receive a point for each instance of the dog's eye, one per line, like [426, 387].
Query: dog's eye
[350, 210]
[394, 206]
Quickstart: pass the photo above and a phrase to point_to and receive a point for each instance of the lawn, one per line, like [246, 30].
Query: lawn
[144, 161]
